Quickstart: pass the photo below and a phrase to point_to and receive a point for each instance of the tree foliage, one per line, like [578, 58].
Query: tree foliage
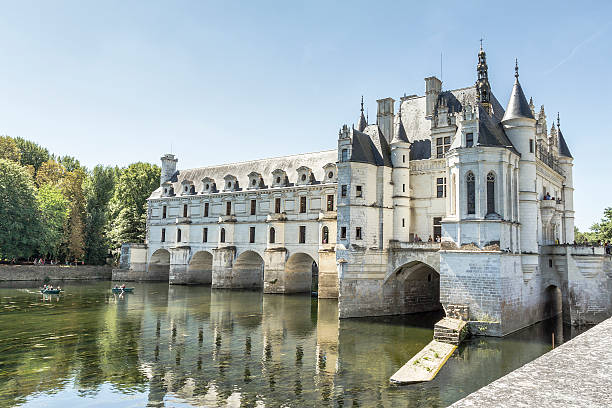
[32, 154]
[54, 212]
[128, 205]
[19, 215]
[50, 172]
[99, 188]
[74, 233]
[9, 149]
[603, 230]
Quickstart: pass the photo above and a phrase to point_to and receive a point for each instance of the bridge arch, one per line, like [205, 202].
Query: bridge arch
[159, 265]
[552, 304]
[199, 269]
[301, 273]
[248, 270]
[413, 287]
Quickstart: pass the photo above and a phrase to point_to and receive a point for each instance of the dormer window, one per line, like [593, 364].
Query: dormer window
[187, 187]
[279, 178]
[255, 180]
[167, 189]
[231, 183]
[305, 176]
[208, 185]
[469, 140]
[330, 172]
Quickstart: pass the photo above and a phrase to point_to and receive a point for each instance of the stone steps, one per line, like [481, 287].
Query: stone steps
[449, 330]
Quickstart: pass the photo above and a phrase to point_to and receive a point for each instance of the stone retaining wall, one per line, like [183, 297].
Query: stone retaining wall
[53, 272]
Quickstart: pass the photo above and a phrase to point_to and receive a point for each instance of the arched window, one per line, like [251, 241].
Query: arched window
[222, 238]
[471, 193]
[325, 235]
[490, 193]
[178, 235]
[272, 235]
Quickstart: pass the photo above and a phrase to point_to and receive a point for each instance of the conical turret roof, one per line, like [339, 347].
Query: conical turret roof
[518, 107]
[400, 136]
[363, 123]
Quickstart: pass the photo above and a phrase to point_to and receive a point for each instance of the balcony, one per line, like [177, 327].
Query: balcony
[227, 218]
[327, 215]
[276, 217]
[183, 220]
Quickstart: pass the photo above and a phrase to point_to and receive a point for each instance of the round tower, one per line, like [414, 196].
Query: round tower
[400, 176]
[566, 161]
[519, 125]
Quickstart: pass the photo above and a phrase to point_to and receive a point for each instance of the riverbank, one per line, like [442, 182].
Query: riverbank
[575, 374]
[54, 272]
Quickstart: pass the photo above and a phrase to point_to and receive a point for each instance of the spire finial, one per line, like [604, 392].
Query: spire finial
[516, 68]
[361, 103]
[558, 121]
[481, 43]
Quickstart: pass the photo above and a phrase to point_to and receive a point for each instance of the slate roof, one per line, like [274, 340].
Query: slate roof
[265, 167]
[563, 149]
[362, 124]
[420, 149]
[491, 131]
[400, 134]
[370, 147]
[518, 107]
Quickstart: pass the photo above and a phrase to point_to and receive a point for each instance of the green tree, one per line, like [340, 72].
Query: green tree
[50, 172]
[32, 154]
[54, 213]
[9, 149]
[129, 203]
[70, 163]
[99, 188]
[603, 229]
[19, 216]
[74, 233]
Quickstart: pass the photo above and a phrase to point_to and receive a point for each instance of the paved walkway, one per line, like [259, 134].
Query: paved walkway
[575, 374]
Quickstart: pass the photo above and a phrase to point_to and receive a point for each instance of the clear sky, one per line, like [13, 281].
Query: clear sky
[116, 82]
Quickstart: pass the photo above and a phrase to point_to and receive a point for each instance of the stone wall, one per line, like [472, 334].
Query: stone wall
[53, 272]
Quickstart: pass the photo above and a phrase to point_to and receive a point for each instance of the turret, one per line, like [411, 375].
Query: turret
[168, 167]
[519, 125]
[400, 176]
[363, 123]
[566, 161]
[483, 88]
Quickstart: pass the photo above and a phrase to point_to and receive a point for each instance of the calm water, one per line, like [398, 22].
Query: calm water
[190, 346]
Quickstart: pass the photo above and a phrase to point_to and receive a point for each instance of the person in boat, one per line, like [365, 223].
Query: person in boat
[123, 286]
[116, 287]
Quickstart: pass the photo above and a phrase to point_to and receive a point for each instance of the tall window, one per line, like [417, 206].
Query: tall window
[163, 235]
[252, 235]
[253, 206]
[437, 228]
[471, 193]
[530, 145]
[206, 209]
[442, 146]
[302, 234]
[343, 190]
[343, 232]
[344, 155]
[222, 237]
[205, 235]
[441, 187]
[277, 205]
[178, 235]
[330, 202]
[272, 235]
[403, 188]
[358, 233]
[325, 235]
[358, 191]
[228, 208]
[303, 204]
[469, 139]
[490, 193]
[453, 187]
[184, 210]
[164, 211]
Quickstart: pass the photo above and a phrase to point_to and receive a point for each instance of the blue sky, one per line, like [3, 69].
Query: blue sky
[116, 82]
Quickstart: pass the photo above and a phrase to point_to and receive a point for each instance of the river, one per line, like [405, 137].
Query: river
[192, 346]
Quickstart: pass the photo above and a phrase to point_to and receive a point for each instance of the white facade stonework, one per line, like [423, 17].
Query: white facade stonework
[450, 202]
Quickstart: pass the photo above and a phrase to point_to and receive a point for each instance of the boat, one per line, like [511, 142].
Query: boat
[50, 291]
[122, 290]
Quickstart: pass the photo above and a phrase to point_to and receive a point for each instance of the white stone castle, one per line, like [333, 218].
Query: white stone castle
[451, 202]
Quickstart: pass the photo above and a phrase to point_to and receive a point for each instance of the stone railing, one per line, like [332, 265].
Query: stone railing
[429, 246]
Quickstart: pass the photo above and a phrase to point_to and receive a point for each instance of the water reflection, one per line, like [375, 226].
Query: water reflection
[163, 346]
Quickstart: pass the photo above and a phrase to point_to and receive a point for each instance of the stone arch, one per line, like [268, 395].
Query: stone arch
[413, 287]
[301, 273]
[159, 265]
[552, 304]
[199, 270]
[248, 270]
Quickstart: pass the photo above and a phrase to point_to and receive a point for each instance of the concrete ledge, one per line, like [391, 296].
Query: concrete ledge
[53, 272]
[425, 364]
[575, 374]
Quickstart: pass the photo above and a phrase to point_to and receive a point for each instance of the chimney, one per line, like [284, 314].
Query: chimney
[384, 117]
[168, 168]
[433, 87]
